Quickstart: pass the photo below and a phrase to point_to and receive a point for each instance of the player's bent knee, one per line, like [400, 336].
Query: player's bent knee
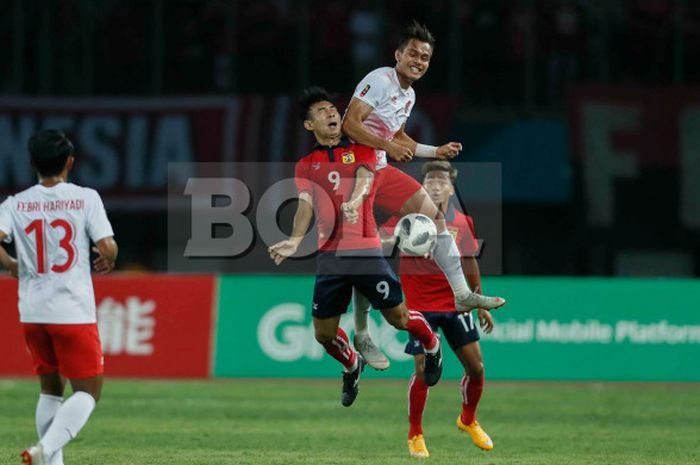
[91, 386]
[396, 317]
[476, 370]
[419, 367]
[323, 337]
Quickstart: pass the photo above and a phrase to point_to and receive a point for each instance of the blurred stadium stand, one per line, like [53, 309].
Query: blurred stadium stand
[589, 106]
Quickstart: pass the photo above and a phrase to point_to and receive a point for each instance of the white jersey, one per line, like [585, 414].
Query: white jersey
[392, 105]
[52, 228]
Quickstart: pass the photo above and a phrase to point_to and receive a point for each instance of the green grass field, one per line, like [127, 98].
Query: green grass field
[301, 422]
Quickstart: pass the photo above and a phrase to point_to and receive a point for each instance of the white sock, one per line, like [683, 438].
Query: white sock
[68, 421]
[354, 365]
[361, 308]
[447, 256]
[46, 409]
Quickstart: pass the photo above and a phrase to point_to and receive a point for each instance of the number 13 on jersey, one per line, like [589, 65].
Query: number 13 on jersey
[38, 228]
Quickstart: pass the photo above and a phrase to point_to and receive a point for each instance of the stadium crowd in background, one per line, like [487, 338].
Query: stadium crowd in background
[499, 45]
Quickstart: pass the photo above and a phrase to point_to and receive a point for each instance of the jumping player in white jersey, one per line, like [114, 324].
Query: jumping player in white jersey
[376, 117]
[52, 224]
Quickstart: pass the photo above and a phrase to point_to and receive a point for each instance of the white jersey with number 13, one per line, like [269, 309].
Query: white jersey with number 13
[52, 228]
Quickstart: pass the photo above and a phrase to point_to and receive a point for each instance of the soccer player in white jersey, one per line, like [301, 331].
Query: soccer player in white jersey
[52, 224]
[377, 116]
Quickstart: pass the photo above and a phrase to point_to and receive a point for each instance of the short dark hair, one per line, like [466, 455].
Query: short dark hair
[418, 31]
[309, 96]
[440, 165]
[49, 150]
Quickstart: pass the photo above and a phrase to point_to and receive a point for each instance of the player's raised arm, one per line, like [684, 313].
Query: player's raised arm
[363, 183]
[302, 220]
[354, 127]
[107, 251]
[443, 152]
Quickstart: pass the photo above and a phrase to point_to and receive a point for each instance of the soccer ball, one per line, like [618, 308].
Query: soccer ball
[416, 234]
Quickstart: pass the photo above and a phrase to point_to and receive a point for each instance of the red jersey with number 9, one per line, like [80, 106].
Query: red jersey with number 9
[329, 174]
[52, 228]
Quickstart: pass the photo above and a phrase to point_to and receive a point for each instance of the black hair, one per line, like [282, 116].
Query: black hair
[418, 31]
[49, 150]
[309, 96]
[440, 165]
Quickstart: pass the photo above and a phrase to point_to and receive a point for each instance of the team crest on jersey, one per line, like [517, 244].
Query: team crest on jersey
[454, 232]
[365, 90]
[348, 157]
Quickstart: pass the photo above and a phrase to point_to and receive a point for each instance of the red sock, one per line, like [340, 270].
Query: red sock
[471, 387]
[339, 348]
[417, 397]
[420, 329]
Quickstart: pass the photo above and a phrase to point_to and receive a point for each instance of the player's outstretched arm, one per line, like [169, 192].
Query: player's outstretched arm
[107, 251]
[9, 263]
[443, 152]
[473, 274]
[363, 182]
[302, 219]
[354, 127]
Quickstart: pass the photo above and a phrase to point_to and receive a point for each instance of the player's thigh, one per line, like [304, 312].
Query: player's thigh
[394, 189]
[78, 350]
[420, 202]
[332, 294]
[463, 337]
[383, 290]
[38, 341]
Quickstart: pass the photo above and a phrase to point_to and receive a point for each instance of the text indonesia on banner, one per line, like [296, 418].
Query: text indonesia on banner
[150, 326]
[123, 146]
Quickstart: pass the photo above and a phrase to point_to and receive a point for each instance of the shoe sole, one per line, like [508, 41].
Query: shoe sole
[379, 366]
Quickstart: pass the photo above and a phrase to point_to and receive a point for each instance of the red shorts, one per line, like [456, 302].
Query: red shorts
[394, 188]
[74, 350]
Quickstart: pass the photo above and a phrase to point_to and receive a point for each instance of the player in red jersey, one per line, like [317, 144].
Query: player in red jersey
[52, 224]
[377, 117]
[428, 291]
[335, 182]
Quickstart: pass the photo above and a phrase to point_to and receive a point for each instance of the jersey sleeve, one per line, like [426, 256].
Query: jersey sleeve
[302, 177]
[98, 226]
[6, 219]
[366, 156]
[469, 246]
[372, 89]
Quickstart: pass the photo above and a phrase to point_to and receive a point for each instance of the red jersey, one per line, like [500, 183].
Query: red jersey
[328, 174]
[424, 285]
